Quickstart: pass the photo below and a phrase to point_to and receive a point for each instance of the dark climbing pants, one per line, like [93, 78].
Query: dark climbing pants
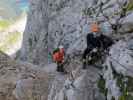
[84, 57]
[60, 67]
[89, 57]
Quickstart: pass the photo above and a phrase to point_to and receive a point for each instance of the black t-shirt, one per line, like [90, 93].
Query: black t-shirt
[92, 41]
[101, 41]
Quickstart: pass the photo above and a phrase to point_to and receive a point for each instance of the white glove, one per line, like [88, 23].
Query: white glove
[95, 50]
[89, 58]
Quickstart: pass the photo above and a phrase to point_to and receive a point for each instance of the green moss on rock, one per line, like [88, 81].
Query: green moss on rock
[125, 83]
[126, 97]
[112, 98]
[30, 42]
[130, 6]
[101, 86]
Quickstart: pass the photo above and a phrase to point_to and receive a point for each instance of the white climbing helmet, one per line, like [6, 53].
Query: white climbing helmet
[61, 46]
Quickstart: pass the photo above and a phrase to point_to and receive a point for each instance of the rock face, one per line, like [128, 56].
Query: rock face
[50, 23]
[118, 70]
[23, 81]
[128, 22]
[54, 22]
[19, 81]
[34, 43]
[122, 55]
[79, 85]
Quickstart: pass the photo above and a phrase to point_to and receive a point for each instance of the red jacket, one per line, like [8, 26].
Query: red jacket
[59, 56]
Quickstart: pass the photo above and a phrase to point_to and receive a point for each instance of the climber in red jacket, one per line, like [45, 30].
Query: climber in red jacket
[58, 57]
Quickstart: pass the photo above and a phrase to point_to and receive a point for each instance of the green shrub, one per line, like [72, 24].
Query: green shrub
[130, 6]
[4, 24]
[9, 41]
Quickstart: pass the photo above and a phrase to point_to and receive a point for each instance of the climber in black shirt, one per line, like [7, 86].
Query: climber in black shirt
[95, 43]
